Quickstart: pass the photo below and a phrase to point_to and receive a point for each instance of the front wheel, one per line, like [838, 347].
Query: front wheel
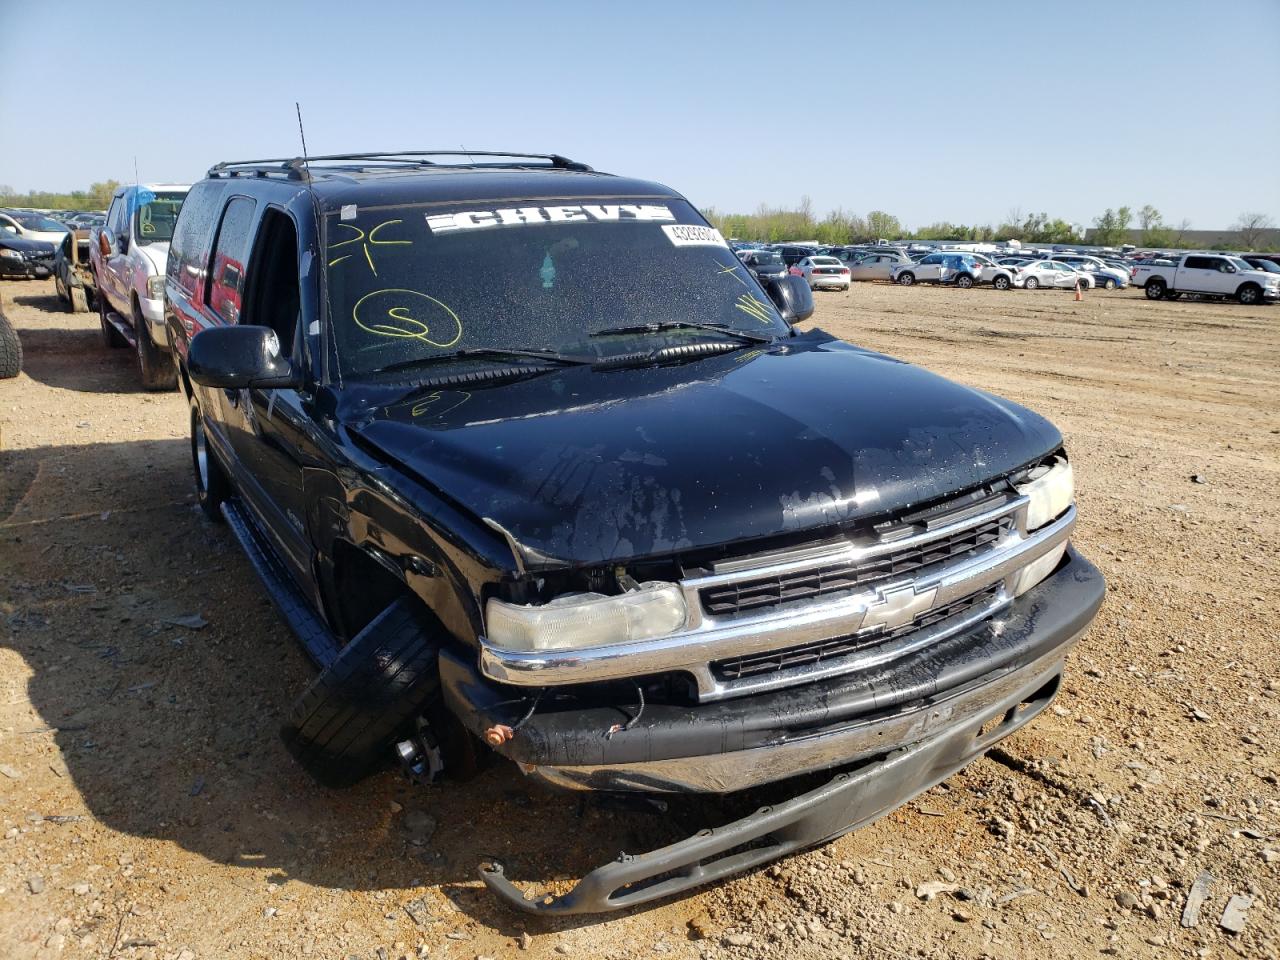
[1249, 294]
[10, 349]
[1108, 284]
[155, 368]
[907, 278]
[1032, 283]
[1000, 283]
[964, 281]
[342, 728]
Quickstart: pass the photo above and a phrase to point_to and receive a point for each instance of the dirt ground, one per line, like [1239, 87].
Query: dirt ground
[149, 810]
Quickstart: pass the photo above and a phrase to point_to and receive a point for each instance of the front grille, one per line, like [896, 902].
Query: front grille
[777, 661]
[743, 596]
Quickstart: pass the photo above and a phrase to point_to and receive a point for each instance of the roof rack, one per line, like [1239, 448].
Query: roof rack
[296, 168]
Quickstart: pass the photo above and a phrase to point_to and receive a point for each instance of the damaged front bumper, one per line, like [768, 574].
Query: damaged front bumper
[895, 731]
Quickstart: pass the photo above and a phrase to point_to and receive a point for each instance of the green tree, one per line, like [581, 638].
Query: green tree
[883, 226]
[1112, 228]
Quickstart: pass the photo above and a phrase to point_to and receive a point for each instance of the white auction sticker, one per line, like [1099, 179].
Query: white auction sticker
[692, 235]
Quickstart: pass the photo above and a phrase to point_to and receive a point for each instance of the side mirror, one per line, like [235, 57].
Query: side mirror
[792, 296]
[106, 243]
[238, 358]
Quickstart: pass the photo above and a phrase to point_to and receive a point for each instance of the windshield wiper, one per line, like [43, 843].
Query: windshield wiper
[686, 325]
[497, 353]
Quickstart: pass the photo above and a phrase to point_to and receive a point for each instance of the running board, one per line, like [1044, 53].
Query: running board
[122, 328]
[315, 636]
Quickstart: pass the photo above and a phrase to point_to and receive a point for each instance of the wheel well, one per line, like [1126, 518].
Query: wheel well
[363, 586]
[1247, 284]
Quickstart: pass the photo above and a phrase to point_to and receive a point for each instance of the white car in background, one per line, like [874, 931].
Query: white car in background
[876, 265]
[33, 226]
[1041, 273]
[1104, 275]
[824, 273]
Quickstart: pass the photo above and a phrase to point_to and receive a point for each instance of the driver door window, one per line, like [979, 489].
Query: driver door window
[226, 276]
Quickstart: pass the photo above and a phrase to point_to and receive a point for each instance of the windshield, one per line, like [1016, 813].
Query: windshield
[1240, 264]
[155, 218]
[38, 223]
[762, 257]
[419, 281]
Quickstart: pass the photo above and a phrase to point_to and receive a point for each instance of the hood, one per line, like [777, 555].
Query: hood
[585, 466]
[10, 242]
[157, 255]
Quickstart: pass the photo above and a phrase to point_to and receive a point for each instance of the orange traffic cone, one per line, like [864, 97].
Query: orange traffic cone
[1079, 295]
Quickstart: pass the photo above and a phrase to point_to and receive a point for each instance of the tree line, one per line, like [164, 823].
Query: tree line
[97, 197]
[1111, 228]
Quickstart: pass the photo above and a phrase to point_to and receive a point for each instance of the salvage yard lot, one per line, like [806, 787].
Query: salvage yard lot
[148, 807]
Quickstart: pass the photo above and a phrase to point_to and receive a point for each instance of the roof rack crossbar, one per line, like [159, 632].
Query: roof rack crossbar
[295, 167]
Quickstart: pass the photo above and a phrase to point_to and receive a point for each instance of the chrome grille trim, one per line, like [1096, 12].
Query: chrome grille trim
[705, 639]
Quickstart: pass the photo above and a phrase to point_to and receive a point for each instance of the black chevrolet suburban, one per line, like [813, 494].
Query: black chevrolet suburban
[535, 467]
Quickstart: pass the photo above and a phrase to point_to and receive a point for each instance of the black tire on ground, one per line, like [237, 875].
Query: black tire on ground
[10, 350]
[1032, 283]
[1000, 283]
[77, 301]
[1249, 294]
[906, 278]
[155, 366]
[111, 337]
[59, 289]
[342, 728]
[212, 485]
[1155, 289]
[1109, 284]
[964, 281]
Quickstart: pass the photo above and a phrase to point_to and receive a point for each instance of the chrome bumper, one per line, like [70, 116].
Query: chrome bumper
[1037, 682]
[893, 603]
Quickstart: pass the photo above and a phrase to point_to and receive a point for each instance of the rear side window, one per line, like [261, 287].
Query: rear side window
[1200, 263]
[226, 274]
[189, 251]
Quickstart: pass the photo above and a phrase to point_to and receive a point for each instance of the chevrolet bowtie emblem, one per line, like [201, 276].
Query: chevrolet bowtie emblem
[897, 607]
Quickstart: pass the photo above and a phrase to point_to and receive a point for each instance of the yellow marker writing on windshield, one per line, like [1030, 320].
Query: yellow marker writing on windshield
[390, 313]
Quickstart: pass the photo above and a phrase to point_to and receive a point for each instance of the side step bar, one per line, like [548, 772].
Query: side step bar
[122, 328]
[315, 636]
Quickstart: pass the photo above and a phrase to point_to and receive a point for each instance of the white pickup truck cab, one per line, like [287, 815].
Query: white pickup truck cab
[128, 255]
[1208, 274]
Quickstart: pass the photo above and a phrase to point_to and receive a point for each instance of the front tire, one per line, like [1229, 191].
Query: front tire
[1108, 284]
[964, 281]
[10, 349]
[212, 485]
[1155, 289]
[1249, 294]
[155, 368]
[1032, 283]
[342, 728]
[906, 278]
[1001, 283]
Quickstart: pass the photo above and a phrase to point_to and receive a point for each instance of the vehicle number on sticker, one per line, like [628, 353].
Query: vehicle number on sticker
[692, 235]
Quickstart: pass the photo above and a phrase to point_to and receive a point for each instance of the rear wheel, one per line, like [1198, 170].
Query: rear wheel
[58, 287]
[1155, 288]
[155, 367]
[77, 302]
[1000, 283]
[1032, 283]
[212, 486]
[111, 337]
[342, 728]
[906, 278]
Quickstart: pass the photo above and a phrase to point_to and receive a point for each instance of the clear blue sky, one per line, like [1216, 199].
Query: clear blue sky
[929, 110]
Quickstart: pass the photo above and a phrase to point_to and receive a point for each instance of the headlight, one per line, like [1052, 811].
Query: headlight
[1052, 489]
[155, 287]
[10, 254]
[587, 619]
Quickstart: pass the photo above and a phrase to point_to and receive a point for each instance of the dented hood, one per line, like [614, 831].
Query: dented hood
[585, 466]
